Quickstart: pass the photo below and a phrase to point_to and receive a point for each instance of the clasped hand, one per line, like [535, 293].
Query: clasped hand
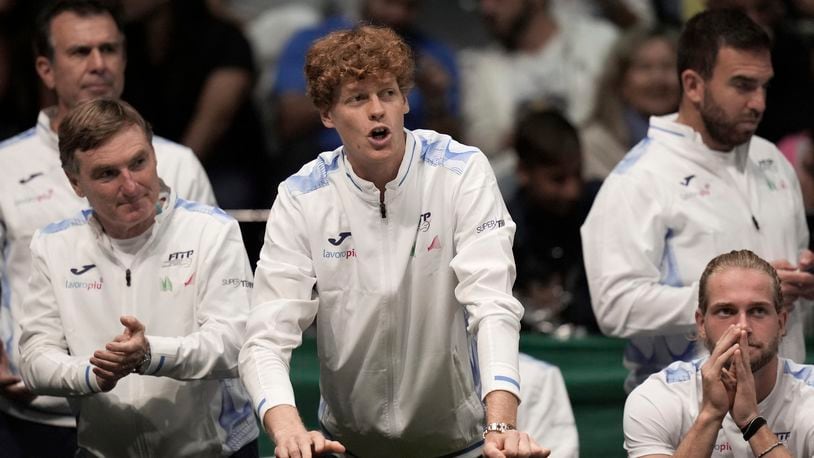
[727, 379]
[122, 356]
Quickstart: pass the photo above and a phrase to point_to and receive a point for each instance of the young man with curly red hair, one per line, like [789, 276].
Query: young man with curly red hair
[399, 245]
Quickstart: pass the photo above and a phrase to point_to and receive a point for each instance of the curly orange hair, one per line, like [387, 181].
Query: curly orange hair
[361, 52]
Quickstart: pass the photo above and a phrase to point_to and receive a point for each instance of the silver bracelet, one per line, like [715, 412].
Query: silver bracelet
[768, 450]
[497, 428]
[141, 369]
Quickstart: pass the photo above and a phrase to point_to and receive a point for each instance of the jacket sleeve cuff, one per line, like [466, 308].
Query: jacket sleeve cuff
[269, 401]
[91, 383]
[163, 351]
[501, 377]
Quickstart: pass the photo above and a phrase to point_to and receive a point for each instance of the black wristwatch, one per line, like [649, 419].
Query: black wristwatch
[751, 428]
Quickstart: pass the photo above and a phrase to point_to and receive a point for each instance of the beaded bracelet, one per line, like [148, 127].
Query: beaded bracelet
[768, 450]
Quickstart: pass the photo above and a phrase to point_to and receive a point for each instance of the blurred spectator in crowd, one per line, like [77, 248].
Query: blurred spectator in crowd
[789, 109]
[540, 60]
[549, 207]
[799, 150]
[639, 81]
[622, 13]
[268, 25]
[191, 75]
[433, 103]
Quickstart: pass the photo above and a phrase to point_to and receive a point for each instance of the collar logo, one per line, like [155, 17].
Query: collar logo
[435, 244]
[179, 258]
[424, 222]
[83, 269]
[166, 284]
[338, 241]
[30, 177]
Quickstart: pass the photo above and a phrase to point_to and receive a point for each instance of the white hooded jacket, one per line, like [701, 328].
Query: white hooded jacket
[667, 209]
[415, 318]
[34, 192]
[190, 287]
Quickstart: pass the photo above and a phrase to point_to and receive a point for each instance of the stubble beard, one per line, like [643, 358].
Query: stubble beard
[719, 126]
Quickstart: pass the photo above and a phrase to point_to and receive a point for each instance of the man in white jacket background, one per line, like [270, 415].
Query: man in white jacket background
[174, 273]
[399, 245]
[81, 56]
[699, 184]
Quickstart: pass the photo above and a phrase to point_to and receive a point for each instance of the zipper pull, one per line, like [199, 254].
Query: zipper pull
[382, 209]
[127, 276]
[754, 221]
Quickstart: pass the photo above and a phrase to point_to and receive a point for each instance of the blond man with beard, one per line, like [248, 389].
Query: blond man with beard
[741, 399]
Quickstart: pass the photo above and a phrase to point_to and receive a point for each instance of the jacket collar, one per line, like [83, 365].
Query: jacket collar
[691, 144]
[44, 131]
[368, 189]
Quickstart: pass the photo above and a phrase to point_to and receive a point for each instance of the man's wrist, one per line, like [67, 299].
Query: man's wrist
[141, 369]
[752, 427]
[498, 427]
[707, 417]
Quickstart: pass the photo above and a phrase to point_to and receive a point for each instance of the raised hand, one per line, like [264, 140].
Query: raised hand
[122, 356]
[719, 383]
[744, 407]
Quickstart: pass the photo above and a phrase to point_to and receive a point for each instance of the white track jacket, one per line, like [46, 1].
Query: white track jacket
[190, 286]
[412, 299]
[664, 212]
[35, 192]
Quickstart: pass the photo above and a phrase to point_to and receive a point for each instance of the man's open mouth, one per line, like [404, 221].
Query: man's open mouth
[379, 133]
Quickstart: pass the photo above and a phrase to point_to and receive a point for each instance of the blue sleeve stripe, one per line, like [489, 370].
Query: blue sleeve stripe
[87, 377]
[160, 365]
[503, 378]
[260, 406]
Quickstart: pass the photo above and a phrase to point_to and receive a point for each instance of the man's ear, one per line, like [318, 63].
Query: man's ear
[406, 104]
[74, 180]
[327, 120]
[693, 86]
[46, 71]
[699, 324]
[782, 318]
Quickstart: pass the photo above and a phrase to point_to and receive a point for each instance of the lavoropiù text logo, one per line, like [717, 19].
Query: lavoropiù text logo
[342, 254]
[86, 285]
[723, 447]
